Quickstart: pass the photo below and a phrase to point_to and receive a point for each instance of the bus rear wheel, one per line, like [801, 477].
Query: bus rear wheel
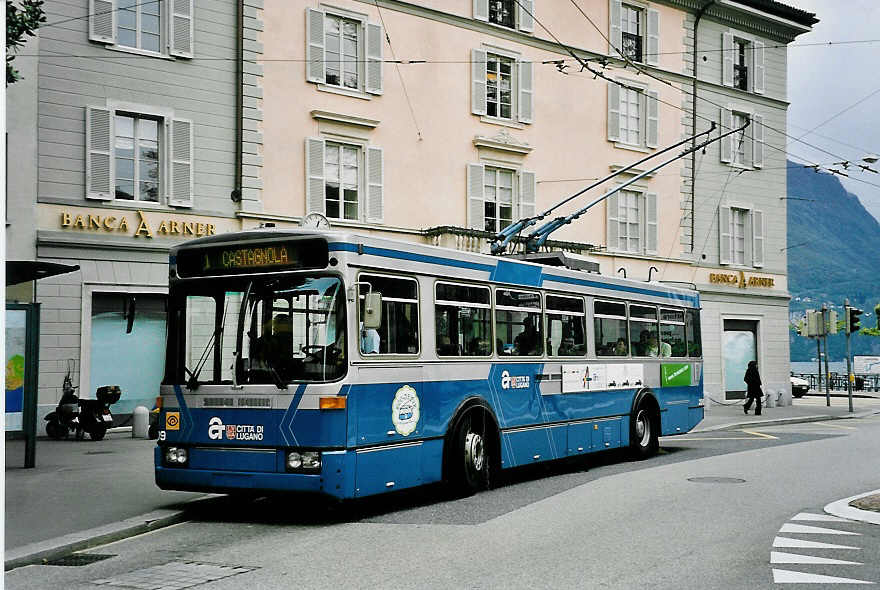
[643, 436]
[470, 456]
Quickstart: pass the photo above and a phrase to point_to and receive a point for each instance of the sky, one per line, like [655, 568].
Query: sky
[826, 79]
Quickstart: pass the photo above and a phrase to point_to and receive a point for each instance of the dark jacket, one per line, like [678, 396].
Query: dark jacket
[753, 381]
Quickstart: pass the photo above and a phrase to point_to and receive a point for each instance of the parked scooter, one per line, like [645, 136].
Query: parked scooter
[82, 416]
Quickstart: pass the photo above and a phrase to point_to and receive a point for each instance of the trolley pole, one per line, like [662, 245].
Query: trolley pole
[825, 346]
[849, 375]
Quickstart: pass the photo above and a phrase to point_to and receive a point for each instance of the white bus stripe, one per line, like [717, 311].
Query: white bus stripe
[790, 577]
[780, 557]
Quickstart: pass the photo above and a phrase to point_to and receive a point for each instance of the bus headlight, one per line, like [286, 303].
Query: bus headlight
[175, 456]
[301, 461]
[294, 460]
[311, 460]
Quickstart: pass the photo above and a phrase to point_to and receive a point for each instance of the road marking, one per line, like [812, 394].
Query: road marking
[836, 426]
[812, 530]
[790, 577]
[760, 434]
[801, 544]
[808, 516]
[780, 557]
[679, 439]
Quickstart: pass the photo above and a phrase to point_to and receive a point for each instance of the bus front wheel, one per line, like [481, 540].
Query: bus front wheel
[470, 456]
[644, 432]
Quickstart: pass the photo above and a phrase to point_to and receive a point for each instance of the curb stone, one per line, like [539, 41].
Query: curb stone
[778, 421]
[842, 509]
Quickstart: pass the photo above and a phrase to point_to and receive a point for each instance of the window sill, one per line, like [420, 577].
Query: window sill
[502, 122]
[146, 205]
[633, 148]
[343, 91]
[142, 52]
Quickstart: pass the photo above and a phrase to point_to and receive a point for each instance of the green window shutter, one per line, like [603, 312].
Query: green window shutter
[478, 82]
[526, 84]
[99, 154]
[727, 55]
[182, 29]
[374, 59]
[181, 181]
[613, 112]
[375, 211]
[651, 223]
[315, 176]
[476, 198]
[102, 21]
[653, 37]
[315, 65]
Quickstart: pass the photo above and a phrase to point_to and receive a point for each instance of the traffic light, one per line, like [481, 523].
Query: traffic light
[831, 328]
[852, 319]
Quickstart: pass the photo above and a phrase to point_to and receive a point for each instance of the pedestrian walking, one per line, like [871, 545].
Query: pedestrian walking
[753, 388]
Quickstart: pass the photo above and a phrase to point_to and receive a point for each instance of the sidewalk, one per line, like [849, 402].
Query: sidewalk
[85, 493]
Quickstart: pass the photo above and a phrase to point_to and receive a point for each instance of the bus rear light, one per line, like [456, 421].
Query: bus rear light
[303, 461]
[332, 403]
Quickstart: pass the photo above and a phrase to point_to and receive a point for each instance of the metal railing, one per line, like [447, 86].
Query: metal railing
[866, 382]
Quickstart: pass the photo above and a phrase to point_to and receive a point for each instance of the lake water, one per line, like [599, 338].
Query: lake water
[810, 367]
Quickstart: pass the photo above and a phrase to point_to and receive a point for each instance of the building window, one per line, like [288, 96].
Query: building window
[744, 148]
[632, 222]
[740, 67]
[499, 86]
[138, 24]
[498, 192]
[343, 52]
[502, 12]
[631, 32]
[740, 140]
[738, 219]
[633, 115]
[629, 221]
[742, 236]
[341, 45]
[143, 26]
[341, 180]
[137, 158]
[631, 101]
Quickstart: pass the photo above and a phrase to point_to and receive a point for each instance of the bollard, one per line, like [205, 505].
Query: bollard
[140, 422]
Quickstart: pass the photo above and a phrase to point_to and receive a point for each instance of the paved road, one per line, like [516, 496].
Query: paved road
[704, 514]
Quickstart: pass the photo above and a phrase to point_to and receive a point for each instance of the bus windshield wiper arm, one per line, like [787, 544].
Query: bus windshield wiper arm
[193, 382]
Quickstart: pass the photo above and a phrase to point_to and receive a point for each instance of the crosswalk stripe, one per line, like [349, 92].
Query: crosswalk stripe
[790, 577]
[812, 530]
[808, 516]
[780, 557]
[801, 544]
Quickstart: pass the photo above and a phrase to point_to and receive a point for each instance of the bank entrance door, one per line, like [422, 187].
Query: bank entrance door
[739, 346]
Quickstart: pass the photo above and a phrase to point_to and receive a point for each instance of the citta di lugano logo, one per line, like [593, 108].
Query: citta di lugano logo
[405, 410]
[216, 430]
[515, 381]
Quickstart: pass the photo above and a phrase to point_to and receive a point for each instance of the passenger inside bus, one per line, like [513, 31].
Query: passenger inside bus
[274, 348]
[369, 340]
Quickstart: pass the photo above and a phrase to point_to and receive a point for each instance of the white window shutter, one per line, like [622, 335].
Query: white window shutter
[758, 238]
[315, 202]
[653, 45]
[375, 185]
[652, 124]
[182, 29]
[613, 112]
[102, 21]
[724, 235]
[478, 82]
[315, 64]
[180, 184]
[481, 10]
[757, 127]
[726, 146]
[651, 223]
[374, 59]
[525, 10]
[476, 198]
[99, 154]
[614, 12]
[612, 223]
[727, 55]
[526, 83]
[758, 77]
[527, 193]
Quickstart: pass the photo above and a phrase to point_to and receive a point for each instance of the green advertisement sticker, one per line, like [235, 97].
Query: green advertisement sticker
[675, 374]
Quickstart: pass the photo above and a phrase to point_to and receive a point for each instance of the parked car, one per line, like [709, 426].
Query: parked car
[799, 387]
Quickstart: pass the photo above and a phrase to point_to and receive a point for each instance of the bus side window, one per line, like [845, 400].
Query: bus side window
[399, 331]
[566, 329]
[518, 326]
[462, 320]
[694, 344]
[610, 327]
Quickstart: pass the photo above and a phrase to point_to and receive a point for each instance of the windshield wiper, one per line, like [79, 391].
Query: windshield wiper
[193, 382]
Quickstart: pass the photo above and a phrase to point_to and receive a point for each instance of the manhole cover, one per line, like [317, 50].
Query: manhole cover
[177, 574]
[716, 480]
[79, 559]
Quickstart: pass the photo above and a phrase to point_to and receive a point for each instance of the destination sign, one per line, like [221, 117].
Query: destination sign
[239, 259]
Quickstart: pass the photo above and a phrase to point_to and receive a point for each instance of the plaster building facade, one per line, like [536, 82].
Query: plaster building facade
[131, 130]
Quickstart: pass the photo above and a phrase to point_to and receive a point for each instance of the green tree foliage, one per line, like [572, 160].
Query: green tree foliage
[21, 20]
[875, 331]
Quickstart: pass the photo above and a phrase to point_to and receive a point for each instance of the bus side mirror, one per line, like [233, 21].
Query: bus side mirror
[372, 310]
